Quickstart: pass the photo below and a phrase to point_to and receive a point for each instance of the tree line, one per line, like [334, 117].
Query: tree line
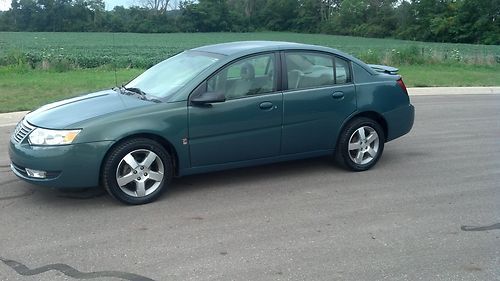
[457, 21]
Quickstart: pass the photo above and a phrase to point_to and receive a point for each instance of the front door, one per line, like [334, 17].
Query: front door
[247, 126]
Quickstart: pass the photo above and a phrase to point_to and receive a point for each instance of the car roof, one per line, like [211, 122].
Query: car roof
[239, 47]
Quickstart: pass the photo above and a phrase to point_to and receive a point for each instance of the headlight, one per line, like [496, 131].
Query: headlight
[41, 136]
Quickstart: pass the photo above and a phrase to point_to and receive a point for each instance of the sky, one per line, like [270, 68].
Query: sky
[4, 5]
[110, 4]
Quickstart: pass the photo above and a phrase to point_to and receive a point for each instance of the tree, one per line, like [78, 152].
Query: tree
[96, 8]
[207, 16]
[308, 11]
[465, 21]
[370, 18]
[280, 15]
[14, 9]
[478, 21]
[157, 6]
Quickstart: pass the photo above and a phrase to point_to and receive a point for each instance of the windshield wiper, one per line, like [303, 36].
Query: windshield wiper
[135, 91]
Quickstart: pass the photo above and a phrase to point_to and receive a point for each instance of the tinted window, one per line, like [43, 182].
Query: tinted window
[342, 71]
[306, 70]
[250, 76]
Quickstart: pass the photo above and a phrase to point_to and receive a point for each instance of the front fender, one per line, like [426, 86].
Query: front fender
[165, 120]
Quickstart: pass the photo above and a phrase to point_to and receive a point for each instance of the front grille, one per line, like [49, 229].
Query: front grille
[22, 130]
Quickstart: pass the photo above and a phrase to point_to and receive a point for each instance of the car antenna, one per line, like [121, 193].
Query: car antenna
[114, 59]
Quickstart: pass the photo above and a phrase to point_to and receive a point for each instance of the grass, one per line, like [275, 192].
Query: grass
[455, 75]
[87, 49]
[37, 67]
[29, 89]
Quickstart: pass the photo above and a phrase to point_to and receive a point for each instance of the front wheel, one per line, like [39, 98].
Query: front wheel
[360, 145]
[137, 171]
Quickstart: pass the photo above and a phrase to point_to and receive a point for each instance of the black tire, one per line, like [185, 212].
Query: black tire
[150, 176]
[363, 158]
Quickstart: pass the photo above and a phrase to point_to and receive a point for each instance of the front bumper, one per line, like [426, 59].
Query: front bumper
[66, 166]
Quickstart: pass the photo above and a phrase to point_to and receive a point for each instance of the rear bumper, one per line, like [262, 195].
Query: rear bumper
[399, 121]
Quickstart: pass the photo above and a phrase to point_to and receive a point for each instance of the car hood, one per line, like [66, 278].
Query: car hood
[62, 114]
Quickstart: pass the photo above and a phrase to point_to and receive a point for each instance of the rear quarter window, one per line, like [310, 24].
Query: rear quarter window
[342, 71]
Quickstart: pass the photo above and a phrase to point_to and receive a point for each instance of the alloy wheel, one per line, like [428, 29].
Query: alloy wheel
[140, 173]
[363, 145]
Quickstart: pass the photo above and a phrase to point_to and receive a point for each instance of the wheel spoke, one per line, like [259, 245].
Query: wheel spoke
[150, 158]
[140, 188]
[354, 145]
[371, 138]
[361, 133]
[130, 160]
[372, 152]
[359, 157]
[125, 179]
[155, 176]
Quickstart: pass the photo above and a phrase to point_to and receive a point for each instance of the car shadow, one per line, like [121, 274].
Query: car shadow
[214, 181]
[97, 197]
[244, 178]
[252, 175]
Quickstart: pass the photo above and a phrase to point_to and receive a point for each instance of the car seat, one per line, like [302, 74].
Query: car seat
[242, 86]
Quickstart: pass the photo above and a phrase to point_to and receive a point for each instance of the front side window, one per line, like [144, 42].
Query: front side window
[246, 77]
[170, 75]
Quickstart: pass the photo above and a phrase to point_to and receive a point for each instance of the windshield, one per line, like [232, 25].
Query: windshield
[171, 74]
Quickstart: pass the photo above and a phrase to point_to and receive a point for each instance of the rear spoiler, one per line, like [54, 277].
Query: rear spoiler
[384, 69]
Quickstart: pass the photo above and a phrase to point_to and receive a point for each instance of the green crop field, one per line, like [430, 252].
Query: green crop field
[37, 68]
[88, 50]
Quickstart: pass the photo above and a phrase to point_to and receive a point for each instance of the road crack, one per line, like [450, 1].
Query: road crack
[71, 272]
[480, 228]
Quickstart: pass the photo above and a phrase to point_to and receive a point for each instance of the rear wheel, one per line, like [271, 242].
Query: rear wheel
[360, 145]
[137, 171]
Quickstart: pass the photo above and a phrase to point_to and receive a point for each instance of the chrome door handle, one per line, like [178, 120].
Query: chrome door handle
[266, 105]
[338, 95]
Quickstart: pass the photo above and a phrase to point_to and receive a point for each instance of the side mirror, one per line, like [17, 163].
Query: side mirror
[209, 97]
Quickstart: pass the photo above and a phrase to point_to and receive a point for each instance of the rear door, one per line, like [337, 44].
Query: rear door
[320, 95]
[247, 125]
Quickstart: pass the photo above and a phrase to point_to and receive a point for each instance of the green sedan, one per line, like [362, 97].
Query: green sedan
[213, 108]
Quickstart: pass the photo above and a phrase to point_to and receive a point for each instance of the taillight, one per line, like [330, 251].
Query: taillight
[402, 85]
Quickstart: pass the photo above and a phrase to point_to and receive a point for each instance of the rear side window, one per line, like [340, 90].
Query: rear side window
[307, 70]
[310, 70]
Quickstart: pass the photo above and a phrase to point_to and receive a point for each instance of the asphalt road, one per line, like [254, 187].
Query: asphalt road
[429, 210]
